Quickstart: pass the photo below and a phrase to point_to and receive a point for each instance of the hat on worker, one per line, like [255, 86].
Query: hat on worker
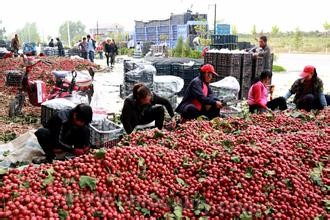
[208, 68]
[308, 70]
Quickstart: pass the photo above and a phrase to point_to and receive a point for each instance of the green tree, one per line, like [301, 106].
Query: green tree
[297, 39]
[234, 30]
[186, 52]
[76, 31]
[201, 28]
[254, 32]
[29, 33]
[2, 31]
[118, 37]
[326, 26]
[202, 32]
[178, 50]
[275, 30]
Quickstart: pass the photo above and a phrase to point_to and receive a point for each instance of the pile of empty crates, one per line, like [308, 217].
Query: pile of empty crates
[225, 41]
[184, 71]
[240, 65]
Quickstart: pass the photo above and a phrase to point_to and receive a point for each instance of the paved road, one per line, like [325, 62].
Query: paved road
[294, 64]
[107, 83]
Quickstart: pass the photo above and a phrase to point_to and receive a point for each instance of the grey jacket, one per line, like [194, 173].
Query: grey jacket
[266, 54]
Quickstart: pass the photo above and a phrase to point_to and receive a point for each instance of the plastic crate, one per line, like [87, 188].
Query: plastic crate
[163, 69]
[105, 133]
[211, 58]
[226, 59]
[46, 114]
[14, 78]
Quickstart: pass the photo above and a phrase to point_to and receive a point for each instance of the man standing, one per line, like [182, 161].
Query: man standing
[60, 47]
[15, 45]
[83, 48]
[264, 51]
[91, 48]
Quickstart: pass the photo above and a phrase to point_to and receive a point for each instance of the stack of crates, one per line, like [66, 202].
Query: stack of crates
[246, 74]
[225, 64]
[224, 42]
[243, 66]
[228, 64]
[211, 58]
[14, 78]
[163, 69]
[257, 67]
[187, 73]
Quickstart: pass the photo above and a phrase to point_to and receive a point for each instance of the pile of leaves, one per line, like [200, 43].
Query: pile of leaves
[270, 165]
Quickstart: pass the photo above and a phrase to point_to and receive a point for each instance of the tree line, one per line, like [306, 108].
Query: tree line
[76, 29]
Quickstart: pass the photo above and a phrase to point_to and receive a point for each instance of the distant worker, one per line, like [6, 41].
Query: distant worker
[83, 48]
[264, 51]
[308, 91]
[144, 107]
[165, 51]
[15, 45]
[199, 99]
[110, 49]
[51, 43]
[196, 42]
[60, 47]
[99, 50]
[138, 51]
[91, 48]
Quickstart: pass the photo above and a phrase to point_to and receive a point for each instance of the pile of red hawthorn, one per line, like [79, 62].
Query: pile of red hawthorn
[269, 165]
[42, 71]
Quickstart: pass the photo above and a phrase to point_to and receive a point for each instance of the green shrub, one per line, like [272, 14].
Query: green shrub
[126, 51]
[277, 68]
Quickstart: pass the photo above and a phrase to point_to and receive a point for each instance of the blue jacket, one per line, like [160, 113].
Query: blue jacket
[194, 91]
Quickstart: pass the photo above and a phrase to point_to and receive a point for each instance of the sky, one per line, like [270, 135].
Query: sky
[49, 15]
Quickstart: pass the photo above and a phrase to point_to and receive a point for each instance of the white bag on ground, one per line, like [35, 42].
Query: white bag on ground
[227, 88]
[25, 148]
[167, 86]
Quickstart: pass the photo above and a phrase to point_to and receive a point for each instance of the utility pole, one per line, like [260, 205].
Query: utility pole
[215, 19]
[68, 28]
[97, 28]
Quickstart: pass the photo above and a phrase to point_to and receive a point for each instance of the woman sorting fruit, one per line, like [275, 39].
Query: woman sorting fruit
[258, 95]
[141, 108]
[198, 99]
[308, 91]
[68, 131]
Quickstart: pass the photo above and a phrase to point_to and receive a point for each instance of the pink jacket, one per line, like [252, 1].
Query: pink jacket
[258, 95]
